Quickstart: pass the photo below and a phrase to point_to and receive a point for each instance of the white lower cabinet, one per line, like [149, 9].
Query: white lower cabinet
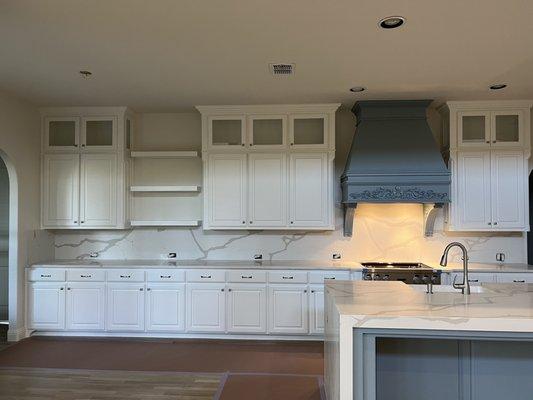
[125, 307]
[165, 307]
[247, 308]
[288, 306]
[511, 277]
[86, 306]
[206, 307]
[46, 305]
[316, 310]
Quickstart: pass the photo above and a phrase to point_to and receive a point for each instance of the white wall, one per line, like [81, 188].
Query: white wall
[20, 149]
[4, 245]
[381, 232]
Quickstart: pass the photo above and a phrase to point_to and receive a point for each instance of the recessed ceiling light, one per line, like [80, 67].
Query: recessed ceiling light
[357, 89]
[498, 86]
[391, 22]
[85, 73]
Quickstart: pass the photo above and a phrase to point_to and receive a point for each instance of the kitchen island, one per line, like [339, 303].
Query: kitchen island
[388, 340]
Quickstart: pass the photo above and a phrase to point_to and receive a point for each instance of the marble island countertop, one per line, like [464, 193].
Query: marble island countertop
[395, 305]
[278, 264]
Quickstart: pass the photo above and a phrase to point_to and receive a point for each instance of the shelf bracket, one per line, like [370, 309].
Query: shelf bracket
[349, 213]
[430, 215]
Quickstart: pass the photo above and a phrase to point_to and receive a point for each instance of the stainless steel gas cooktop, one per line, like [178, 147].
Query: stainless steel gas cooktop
[408, 272]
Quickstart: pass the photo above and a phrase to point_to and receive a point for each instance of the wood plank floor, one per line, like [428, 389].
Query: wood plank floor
[49, 384]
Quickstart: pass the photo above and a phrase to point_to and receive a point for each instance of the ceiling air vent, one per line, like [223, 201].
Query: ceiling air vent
[282, 69]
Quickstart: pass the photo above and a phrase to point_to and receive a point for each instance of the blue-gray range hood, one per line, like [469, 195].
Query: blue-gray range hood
[394, 158]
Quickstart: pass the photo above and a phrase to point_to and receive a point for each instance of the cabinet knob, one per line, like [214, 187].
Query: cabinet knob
[148, 289]
[251, 144]
[82, 145]
[292, 222]
[229, 290]
[61, 288]
[141, 289]
[221, 290]
[82, 222]
[243, 222]
[312, 291]
[292, 144]
[68, 288]
[251, 222]
[76, 145]
[242, 144]
[305, 291]
[494, 141]
[489, 223]
[75, 222]
[488, 141]
[495, 223]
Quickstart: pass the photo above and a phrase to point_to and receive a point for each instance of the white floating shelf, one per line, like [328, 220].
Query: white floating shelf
[164, 154]
[164, 188]
[166, 223]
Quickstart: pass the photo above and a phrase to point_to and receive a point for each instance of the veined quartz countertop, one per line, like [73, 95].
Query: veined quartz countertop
[187, 264]
[395, 305]
[237, 264]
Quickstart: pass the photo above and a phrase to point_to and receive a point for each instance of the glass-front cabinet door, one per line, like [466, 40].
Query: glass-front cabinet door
[226, 131]
[308, 131]
[267, 131]
[61, 133]
[474, 129]
[98, 133]
[506, 129]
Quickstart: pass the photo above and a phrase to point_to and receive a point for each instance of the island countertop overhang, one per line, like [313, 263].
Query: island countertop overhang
[394, 305]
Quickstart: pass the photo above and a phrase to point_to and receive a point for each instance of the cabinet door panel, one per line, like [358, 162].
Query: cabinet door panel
[309, 131]
[316, 311]
[267, 190]
[61, 133]
[206, 304]
[226, 132]
[125, 307]
[98, 190]
[227, 190]
[474, 128]
[247, 308]
[99, 133]
[60, 202]
[308, 189]
[86, 306]
[288, 309]
[474, 208]
[508, 183]
[46, 306]
[507, 129]
[165, 307]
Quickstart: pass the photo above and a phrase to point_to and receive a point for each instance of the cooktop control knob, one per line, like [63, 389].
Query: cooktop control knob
[425, 279]
[386, 277]
[368, 277]
[377, 277]
[416, 279]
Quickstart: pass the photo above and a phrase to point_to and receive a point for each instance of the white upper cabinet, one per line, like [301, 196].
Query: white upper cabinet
[226, 132]
[267, 189]
[489, 147]
[61, 133]
[309, 194]
[309, 131]
[279, 172]
[267, 132]
[98, 133]
[84, 167]
[98, 190]
[508, 195]
[60, 192]
[226, 185]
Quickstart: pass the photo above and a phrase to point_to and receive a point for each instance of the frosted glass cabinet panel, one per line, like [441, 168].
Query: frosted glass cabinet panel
[308, 131]
[474, 128]
[61, 133]
[226, 131]
[506, 128]
[98, 133]
[267, 131]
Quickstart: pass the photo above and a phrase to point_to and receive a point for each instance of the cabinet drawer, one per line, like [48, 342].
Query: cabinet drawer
[47, 274]
[81, 275]
[125, 275]
[514, 278]
[320, 277]
[287, 277]
[247, 276]
[206, 275]
[165, 275]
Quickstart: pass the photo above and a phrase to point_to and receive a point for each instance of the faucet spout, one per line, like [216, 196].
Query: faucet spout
[464, 286]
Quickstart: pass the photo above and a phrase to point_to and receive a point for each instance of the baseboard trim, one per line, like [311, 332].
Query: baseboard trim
[14, 335]
[176, 336]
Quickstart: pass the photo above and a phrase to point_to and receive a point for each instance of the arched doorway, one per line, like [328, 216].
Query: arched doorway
[8, 244]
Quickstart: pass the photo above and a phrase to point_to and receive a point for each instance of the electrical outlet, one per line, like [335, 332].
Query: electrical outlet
[258, 257]
[172, 255]
[500, 257]
[337, 256]
[94, 254]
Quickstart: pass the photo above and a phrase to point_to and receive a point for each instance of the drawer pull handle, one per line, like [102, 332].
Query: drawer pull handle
[125, 276]
[473, 280]
[519, 280]
[246, 277]
[46, 276]
[287, 277]
[86, 276]
[165, 276]
[205, 276]
[329, 277]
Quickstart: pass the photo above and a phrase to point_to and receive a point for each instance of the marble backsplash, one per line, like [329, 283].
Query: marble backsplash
[381, 232]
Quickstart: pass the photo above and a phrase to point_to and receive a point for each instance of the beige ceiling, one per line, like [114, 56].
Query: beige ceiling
[161, 55]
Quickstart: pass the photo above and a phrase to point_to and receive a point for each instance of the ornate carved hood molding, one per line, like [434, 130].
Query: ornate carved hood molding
[393, 159]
